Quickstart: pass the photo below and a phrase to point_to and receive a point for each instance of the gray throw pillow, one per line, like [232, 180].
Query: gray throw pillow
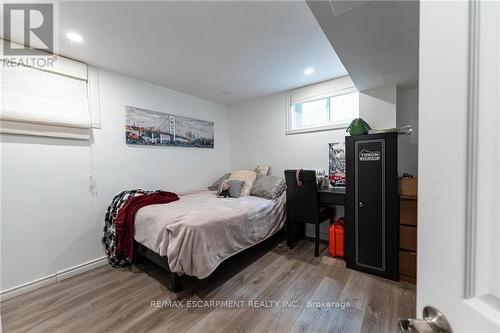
[231, 188]
[235, 188]
[269, 187]
[215, 186]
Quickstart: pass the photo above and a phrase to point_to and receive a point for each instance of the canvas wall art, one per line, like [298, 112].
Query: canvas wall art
[337, 164]
[147, 127]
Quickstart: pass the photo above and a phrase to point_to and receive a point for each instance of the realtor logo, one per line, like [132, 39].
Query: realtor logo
[366, 155]
[28, 24]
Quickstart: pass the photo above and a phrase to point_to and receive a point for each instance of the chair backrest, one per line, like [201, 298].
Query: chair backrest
[302, 201]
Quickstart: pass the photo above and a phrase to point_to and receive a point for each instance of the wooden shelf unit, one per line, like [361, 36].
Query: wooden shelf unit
[408, 238]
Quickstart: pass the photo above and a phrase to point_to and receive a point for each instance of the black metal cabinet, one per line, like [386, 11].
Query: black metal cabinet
[372, 205]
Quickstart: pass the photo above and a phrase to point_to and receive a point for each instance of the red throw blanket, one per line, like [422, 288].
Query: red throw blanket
[124, 221]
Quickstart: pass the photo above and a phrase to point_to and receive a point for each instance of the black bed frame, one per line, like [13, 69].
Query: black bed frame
[141, 251]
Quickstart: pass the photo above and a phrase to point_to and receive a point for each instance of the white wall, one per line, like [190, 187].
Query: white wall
[52, 220]
[257, 133]
[378, 107]
[407, 114]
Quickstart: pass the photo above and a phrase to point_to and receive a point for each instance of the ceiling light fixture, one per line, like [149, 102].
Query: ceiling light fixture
[308, 71]
[74, 37]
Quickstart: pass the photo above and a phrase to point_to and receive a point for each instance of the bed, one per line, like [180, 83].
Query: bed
[198, 232]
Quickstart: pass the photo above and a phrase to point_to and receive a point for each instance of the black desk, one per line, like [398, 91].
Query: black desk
[328, 198]
[331, 197]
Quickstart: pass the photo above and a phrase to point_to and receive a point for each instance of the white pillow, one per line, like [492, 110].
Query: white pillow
[247, 176]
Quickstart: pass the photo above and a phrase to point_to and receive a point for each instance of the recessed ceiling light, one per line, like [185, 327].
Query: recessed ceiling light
[74, 37]
[308, 71]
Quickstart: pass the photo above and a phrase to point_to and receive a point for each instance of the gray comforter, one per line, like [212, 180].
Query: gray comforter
[200, 231]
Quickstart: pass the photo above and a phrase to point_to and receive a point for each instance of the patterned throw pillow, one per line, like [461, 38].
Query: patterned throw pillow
[215, 186]
[247, 176]
[268, 187]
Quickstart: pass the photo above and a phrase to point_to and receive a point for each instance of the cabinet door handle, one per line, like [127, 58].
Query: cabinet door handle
[361, 204]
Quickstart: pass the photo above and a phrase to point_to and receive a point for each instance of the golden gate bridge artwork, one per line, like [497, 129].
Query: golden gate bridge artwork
[147, 127]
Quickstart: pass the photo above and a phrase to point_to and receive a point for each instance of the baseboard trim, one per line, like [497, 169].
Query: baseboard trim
[51, 279]
[322, 235]
[27, 287]
[79, 269]
[312, 239]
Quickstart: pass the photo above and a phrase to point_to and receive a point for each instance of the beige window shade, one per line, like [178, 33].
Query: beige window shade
[49, 101]
[340, 86]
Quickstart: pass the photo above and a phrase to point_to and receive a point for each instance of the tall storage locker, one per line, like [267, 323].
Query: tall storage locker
[372, 204]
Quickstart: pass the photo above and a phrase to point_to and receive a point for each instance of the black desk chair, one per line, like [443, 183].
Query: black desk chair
[302, 205]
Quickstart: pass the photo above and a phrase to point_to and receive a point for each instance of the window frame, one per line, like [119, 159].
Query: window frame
[319, 128]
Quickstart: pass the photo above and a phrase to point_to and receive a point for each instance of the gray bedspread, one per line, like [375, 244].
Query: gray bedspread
[200, 231]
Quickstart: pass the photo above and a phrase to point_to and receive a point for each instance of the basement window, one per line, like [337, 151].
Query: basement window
[332, 110]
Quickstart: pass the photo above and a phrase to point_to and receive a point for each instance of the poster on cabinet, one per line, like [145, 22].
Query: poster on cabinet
[337, 163]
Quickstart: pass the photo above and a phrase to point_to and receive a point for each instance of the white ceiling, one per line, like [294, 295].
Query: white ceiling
[250, 49]
[376, 40]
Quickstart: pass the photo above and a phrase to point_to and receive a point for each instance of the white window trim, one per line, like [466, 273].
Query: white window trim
[311, 129]
[93, 97]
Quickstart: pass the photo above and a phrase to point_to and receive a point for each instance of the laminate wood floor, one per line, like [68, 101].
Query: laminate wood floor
[111, 300]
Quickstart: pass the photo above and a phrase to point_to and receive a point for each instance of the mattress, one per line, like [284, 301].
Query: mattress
[199, 231]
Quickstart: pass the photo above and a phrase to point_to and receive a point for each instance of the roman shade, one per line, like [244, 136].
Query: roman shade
[340, 86]
[45, 101]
